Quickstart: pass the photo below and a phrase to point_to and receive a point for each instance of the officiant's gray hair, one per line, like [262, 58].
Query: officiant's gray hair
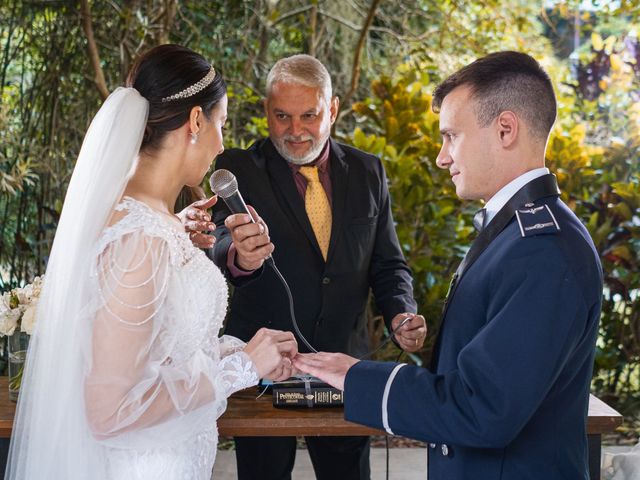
[302, 70]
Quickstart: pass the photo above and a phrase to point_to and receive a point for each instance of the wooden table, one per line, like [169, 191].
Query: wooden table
[248, 416]
[602, 419]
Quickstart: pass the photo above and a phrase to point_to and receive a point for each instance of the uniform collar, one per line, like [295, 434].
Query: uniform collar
[503, 195]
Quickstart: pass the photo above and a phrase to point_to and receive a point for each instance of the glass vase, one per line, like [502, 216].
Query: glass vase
[17, 345]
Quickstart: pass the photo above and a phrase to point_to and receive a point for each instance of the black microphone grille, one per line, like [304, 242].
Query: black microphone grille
[223, 183]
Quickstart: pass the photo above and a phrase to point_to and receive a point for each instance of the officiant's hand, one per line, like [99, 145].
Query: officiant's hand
[251, 240]
[411, 334]
[271, 352]
[197, 222]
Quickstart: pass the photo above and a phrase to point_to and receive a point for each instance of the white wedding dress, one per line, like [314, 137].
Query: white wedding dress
[125, 376]
[158, 375]
[622, 466]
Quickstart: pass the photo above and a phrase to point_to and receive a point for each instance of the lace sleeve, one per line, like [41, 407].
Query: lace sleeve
[230, 344]
[133, 382]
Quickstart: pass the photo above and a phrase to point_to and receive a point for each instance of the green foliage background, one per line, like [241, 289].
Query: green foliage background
[48, 96]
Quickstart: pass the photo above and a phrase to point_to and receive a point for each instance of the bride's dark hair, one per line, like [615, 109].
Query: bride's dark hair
[164, 71]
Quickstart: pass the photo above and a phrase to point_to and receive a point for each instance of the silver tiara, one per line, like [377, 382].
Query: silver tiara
[195, 88]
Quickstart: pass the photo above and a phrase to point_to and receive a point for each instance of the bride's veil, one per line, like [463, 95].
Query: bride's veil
[50, 408]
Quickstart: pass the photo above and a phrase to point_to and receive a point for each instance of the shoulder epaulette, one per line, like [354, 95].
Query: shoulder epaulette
[536, 219]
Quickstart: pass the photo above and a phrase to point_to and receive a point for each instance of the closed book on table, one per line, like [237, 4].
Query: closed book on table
[307, 393]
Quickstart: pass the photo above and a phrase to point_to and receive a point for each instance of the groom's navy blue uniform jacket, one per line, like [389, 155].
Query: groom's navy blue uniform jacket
[507, 395]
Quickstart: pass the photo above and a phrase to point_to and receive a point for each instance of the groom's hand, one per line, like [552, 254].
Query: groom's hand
[197, 222]
[328, 367]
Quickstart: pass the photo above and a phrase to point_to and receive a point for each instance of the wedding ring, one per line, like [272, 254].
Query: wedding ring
[416, 342]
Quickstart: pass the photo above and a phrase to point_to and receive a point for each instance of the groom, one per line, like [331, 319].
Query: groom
[507, 394]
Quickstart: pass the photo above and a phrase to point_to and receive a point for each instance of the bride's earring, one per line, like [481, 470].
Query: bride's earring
[194, 138]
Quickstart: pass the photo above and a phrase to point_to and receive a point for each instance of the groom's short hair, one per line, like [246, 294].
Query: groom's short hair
[502, 81]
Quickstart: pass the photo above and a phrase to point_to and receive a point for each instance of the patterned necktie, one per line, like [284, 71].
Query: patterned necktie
[478, 219]
[318, 209]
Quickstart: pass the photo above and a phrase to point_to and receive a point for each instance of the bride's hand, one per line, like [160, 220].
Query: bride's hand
[283, 371]
[271, 352]
[196, 221]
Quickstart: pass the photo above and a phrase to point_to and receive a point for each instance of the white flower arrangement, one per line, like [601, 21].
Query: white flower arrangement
[18, 308]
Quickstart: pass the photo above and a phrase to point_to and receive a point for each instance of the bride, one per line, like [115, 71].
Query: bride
[126, 375]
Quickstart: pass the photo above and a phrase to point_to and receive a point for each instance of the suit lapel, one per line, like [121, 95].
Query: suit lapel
[339, 177]
[283, 183]
[260, 182]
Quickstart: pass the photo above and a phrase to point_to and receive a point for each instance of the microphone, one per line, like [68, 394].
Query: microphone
[224, 184]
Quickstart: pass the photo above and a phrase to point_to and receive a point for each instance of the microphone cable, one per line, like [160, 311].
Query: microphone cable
[271, 262]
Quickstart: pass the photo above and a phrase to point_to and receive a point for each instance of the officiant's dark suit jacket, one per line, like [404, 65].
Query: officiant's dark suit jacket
[330, 297]
[508, 395]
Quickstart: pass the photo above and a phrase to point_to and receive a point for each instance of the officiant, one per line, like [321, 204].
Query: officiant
[326, 219]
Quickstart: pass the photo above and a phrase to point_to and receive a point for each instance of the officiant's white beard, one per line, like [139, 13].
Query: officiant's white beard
[314, 151]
